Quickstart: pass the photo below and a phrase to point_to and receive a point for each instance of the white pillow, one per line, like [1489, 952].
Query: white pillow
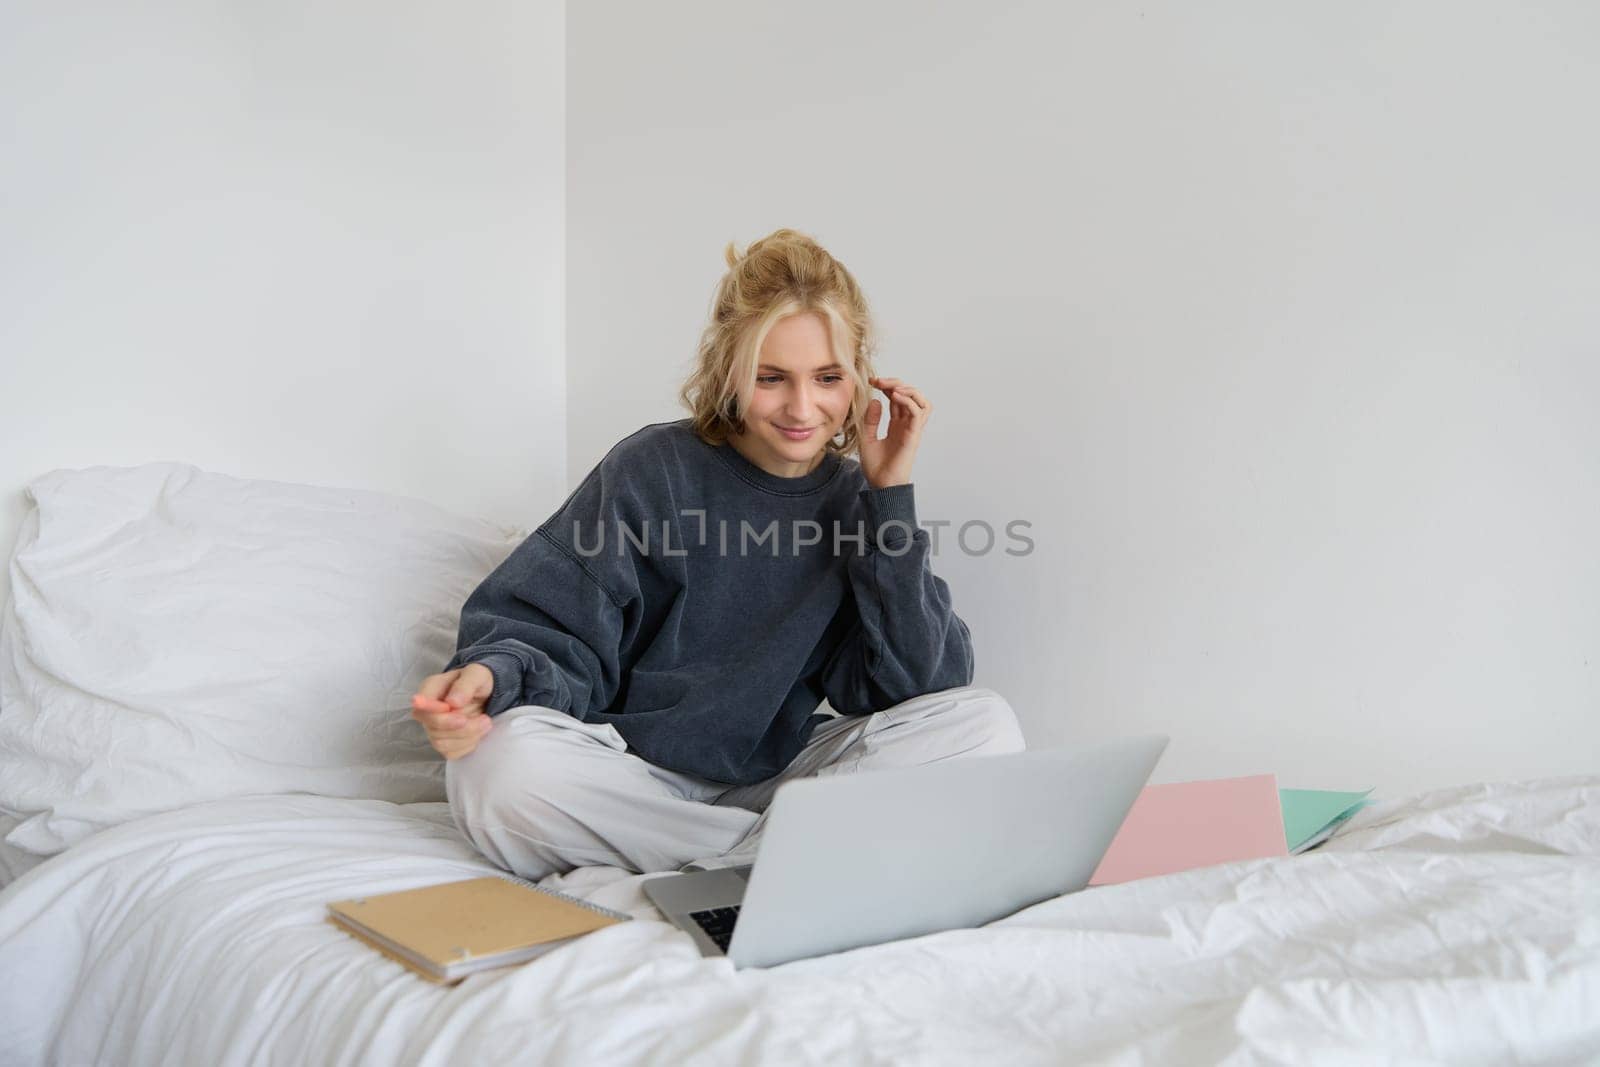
[176, 636]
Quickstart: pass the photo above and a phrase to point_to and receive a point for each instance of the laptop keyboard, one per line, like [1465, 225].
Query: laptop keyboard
[717, 923]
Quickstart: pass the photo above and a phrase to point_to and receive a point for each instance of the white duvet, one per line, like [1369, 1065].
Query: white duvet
[1458, 926]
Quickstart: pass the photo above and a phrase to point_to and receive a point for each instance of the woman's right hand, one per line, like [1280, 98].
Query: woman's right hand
[450, 707]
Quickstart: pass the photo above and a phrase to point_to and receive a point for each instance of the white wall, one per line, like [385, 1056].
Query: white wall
[309, 242]
[1277, 322]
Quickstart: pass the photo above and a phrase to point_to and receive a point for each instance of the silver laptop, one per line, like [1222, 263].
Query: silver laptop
[858, 859]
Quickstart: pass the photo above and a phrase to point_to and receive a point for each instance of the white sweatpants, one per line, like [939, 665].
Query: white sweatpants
[544, 793]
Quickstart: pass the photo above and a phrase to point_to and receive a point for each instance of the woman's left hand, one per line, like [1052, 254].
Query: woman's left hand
[886, 461]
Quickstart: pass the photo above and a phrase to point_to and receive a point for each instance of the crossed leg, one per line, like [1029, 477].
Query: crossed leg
[544, 793]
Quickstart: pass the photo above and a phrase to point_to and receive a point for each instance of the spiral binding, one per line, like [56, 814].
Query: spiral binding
[569, 898]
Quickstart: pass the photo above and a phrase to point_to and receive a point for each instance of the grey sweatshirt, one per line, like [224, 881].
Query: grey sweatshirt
[705, 607]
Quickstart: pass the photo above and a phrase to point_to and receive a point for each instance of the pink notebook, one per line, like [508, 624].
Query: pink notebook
[1184, 825]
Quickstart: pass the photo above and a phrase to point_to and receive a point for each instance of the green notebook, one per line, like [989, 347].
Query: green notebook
[1311, 815]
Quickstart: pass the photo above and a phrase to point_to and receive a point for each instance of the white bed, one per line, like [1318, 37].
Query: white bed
[1459, 926]
[180, 836]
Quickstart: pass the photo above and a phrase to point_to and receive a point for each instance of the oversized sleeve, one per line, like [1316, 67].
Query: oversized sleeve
[546, 628]
[558, 622]
[908, 639]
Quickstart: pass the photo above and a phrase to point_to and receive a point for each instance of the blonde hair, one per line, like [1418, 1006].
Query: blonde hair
[782, 274]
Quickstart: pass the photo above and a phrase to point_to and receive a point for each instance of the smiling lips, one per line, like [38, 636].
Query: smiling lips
[796, 435]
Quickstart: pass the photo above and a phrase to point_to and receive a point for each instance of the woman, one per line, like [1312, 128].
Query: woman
[635, 680]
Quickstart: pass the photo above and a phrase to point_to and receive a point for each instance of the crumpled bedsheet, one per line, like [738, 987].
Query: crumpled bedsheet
[1455, 926]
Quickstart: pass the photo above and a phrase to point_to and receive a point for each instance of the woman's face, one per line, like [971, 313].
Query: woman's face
[799, 386]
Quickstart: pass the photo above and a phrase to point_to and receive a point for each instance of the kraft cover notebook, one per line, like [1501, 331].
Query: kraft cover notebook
[1185, 825]
[447, 931]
